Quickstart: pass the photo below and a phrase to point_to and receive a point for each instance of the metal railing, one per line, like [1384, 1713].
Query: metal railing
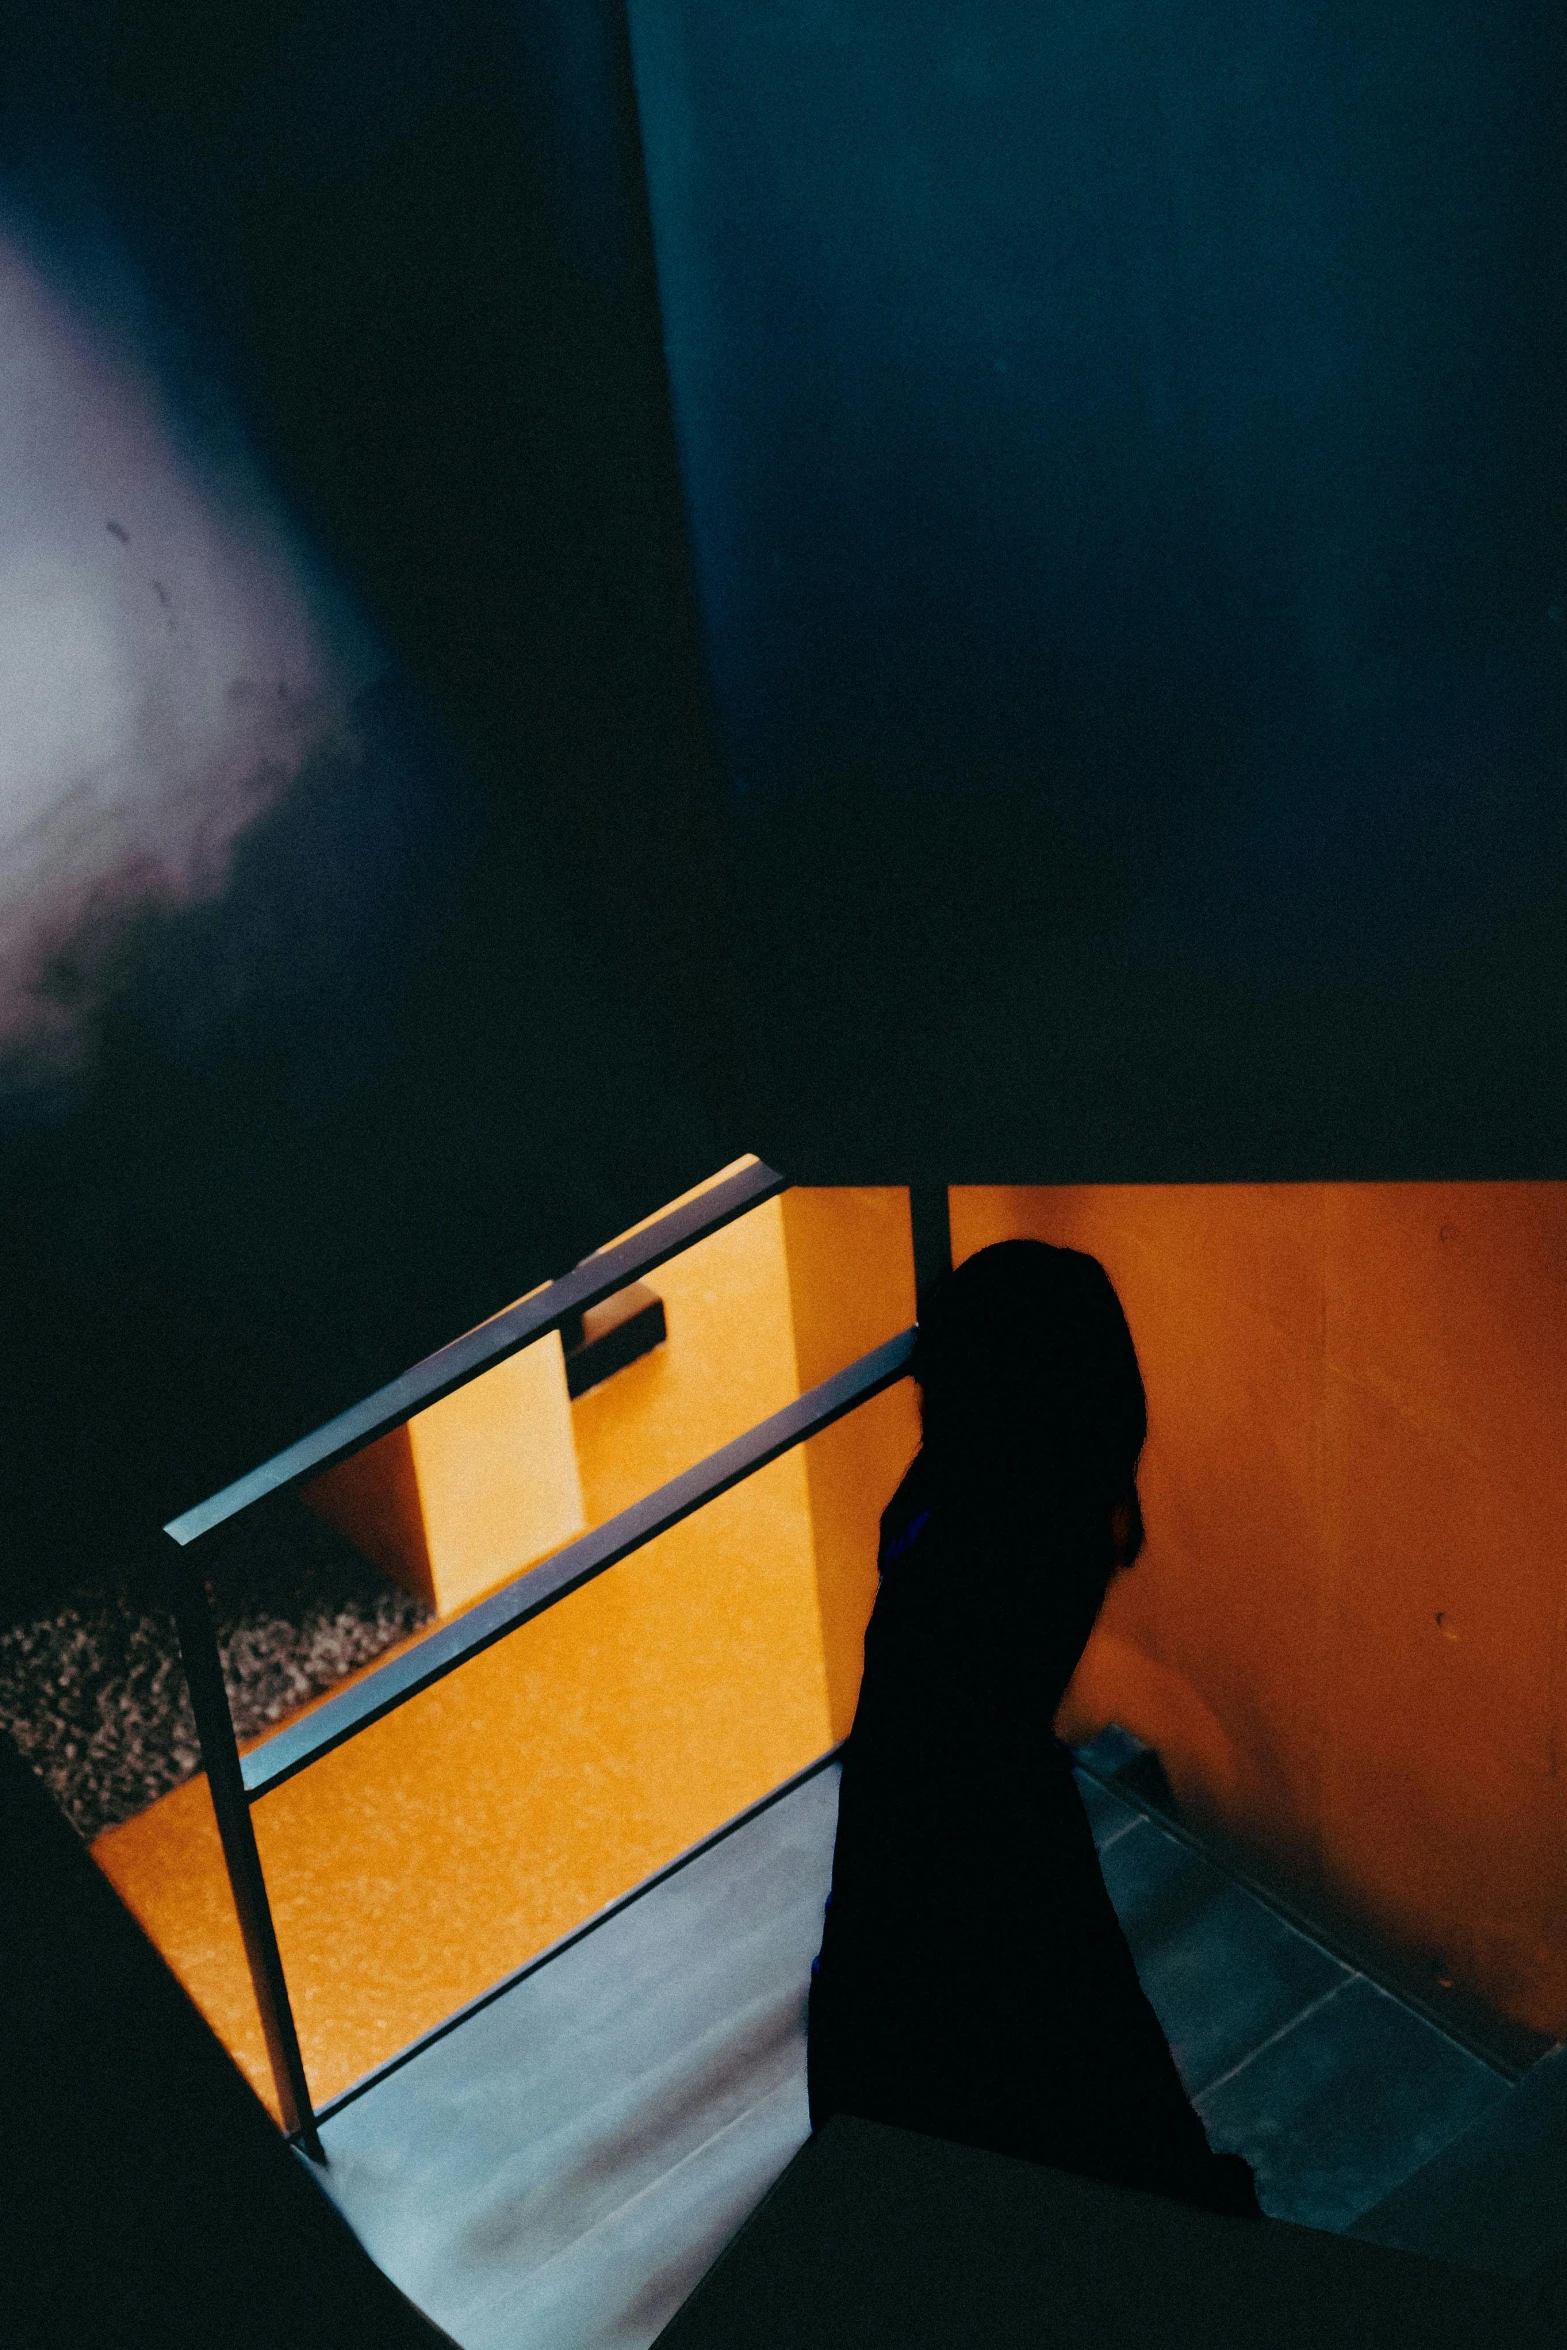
[237, 1782]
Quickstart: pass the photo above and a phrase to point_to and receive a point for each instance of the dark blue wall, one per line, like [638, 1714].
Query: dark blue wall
[451, 1023]
[1125, 456]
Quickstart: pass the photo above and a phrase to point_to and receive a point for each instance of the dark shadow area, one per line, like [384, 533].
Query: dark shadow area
[878, 2236]
[458, 1015]
[149, 2195]
[327, 1122]
[974, 1982]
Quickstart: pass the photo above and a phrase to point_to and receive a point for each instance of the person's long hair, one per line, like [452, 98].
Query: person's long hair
[1032, 1407]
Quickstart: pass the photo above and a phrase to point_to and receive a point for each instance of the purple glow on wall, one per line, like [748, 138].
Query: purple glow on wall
[169, 661]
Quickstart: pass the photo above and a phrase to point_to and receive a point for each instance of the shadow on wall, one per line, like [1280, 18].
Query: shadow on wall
[1345, 1638]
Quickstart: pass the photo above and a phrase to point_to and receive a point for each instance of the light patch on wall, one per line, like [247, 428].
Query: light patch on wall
[167, 666]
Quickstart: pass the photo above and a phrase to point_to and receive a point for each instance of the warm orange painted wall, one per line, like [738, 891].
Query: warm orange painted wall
[470, 1491]
[417, 1865]
[728, 1362]
[1346, 1636]
[851, 1272]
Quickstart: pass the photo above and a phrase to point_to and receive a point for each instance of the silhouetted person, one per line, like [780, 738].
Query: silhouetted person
[974, 1982]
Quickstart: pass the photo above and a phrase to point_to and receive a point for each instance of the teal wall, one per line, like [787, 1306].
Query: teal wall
[1125, 461]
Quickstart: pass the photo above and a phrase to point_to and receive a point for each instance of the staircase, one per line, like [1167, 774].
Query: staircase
[562, 2166]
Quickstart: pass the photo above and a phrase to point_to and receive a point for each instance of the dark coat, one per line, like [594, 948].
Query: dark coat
[974, 1982]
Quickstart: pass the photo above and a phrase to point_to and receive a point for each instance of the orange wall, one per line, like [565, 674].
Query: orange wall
[443, 1847]
[1346, 1636]
[851, 1270]
[470, 1491]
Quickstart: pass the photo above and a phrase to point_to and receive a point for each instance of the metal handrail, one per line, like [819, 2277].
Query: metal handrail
[440, 1652]
[236, 1783]
[479, 1350]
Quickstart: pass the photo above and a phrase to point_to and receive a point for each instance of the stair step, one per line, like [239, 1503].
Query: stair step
[1332, 2088]
[563, 2166]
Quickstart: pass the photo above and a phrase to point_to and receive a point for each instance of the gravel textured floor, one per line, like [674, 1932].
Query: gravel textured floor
[94, 1695]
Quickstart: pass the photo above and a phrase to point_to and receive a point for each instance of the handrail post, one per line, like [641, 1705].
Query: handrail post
[930, 1224]
[220, 1754]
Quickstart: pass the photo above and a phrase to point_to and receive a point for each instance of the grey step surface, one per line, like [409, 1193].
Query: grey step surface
[1333, 2090]
[558, 2171]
